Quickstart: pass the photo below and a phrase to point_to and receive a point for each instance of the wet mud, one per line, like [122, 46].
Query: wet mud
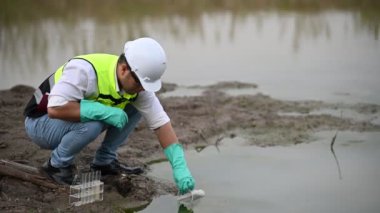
[199, 121]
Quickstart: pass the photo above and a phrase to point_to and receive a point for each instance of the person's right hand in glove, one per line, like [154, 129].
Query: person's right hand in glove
[181, 173]
[95, 111]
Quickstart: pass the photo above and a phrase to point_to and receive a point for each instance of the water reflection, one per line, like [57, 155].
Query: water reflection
[37, 38]
[183, 209]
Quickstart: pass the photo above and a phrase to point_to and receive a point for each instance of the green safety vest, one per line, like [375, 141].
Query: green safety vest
[105, 68]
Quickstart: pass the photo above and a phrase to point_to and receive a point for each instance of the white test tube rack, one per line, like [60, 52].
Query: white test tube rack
[87, 189]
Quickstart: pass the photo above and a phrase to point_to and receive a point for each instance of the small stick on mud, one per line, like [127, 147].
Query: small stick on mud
[25, 173]
[217, 142]
[20, 166]
[333, 152]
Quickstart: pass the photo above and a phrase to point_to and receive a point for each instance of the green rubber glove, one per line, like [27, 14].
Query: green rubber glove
[182, 176]
[95, 111]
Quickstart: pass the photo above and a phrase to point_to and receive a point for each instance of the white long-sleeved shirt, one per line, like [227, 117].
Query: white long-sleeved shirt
[78, 81]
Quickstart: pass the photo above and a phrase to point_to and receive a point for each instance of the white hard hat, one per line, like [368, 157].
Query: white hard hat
[147, 59]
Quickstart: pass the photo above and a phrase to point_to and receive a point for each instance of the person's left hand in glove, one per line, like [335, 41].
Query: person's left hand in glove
[181, 173]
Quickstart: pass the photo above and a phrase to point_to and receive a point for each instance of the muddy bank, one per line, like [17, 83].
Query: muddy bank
[198, 120]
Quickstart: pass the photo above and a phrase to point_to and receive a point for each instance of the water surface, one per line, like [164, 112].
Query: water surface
[298, 178]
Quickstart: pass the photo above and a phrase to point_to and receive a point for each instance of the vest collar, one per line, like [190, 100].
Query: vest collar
[116, 82]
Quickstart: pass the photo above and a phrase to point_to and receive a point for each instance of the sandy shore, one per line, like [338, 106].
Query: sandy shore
[197, 121]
